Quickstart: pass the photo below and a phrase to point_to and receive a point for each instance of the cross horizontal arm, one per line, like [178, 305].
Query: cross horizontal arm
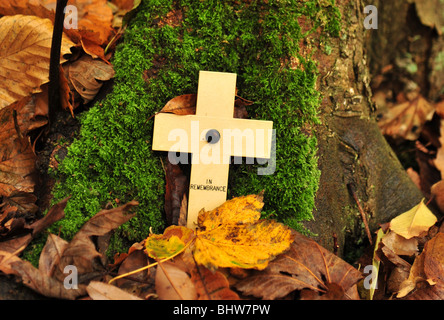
[238, 137]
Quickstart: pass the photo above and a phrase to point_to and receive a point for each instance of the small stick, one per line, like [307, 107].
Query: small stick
[54, 62]
[364, 219]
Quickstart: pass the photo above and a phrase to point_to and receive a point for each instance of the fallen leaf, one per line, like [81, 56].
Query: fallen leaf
[86, 75]
[135, 259]
[169, 243]
[17, 167]
[434, 258]
[103, 291]
[232, 235]
[416, 275]
[413, 222]
[173, 283]
[181, 105]
[210, 285]
[24, 56]
[186, 105]
[35, 279]
[375, 261]
[437, 191]
[245, 245]
[175, 189]
[51, 254]
[406, 119]
[240, 210]
[400, 245]
[17, 159]
[439, 160]
[305, 265]
[430, 14]
[25, 7]
[54, 214]
[81, 250]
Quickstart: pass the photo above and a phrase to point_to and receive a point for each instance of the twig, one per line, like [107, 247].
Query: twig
[364, 218]
[54, 61]
[151, 265]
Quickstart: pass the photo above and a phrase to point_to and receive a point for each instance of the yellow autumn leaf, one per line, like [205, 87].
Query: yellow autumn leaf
[25, 46]
[174, 239]
[240, 210]
[233, 236]
[413, 222]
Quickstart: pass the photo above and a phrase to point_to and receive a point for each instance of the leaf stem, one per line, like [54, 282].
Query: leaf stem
[150, 265]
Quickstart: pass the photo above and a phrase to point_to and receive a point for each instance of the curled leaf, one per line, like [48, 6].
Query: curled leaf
[169, 243]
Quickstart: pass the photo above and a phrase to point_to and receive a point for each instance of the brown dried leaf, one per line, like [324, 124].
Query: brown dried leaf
[437, 192]
[175, 189]
[399, 245]
[35, 279]
[406, 120]
[17, 166]
[24, 58]
[173, 283]
[81, 251]
[439, 161]
[181, 105]
[209, 285]
[305, 266]
[186, 105]
[25, 7]
[51, 254]
[434, 258]
[86, 76]
[103, 291]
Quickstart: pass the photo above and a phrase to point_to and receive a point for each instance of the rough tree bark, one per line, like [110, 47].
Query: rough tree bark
[353, 154]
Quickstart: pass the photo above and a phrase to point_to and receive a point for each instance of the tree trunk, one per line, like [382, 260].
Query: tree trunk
[353, 154]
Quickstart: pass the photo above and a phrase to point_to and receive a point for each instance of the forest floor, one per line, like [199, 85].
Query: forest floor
[405, 257]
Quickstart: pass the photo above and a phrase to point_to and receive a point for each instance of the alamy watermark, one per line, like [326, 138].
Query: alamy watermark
[371, 21]
[71, 17]
[71, 281]
[233, 142]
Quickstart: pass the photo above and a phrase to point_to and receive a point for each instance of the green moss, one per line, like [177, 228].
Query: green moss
[112, 158]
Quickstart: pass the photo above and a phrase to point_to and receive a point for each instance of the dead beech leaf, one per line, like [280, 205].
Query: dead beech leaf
[181, 105]
[186, 105]
[210, 285]
[26, 7]
[35, 279]
[51, 253]
[434, 258]
[437, 191]
[413, 222]
[430, 13]
[86, 75]
[439, 160]
[173, 283]
[17, 167]
[406, 120]
[305, 266]
[24, 56]
[175, 189]
[104, 291]
[81, 250]
[400, 245]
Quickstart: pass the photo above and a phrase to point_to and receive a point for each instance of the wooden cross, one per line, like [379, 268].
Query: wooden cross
[213, 136]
